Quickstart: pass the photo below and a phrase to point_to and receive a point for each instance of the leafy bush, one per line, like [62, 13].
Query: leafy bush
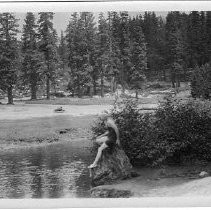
[177, 131]
[201, 82]
[58, 94]
[183, 130]
[156, 85]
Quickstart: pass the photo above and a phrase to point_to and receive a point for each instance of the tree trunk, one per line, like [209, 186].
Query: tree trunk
[173, 80]
[102, 86]
[79, 91]
[9, 94]
[164, 75]
[173, 84]
[48, 88]
[136, 94]
[114, 85]
[91, 91]
[95, 87]
[177, 81]
[34, 91]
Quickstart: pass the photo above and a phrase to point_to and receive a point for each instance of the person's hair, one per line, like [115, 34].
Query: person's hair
[113, 125]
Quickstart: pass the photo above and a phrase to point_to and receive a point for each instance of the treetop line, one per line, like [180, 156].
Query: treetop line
[119, 49]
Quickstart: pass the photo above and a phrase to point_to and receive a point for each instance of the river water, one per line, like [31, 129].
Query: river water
[52, 171]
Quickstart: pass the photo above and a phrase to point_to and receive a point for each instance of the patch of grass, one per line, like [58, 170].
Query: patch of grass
[41, 130]
[73, 101]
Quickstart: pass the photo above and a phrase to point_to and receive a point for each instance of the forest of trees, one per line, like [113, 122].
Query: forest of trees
[113, 47]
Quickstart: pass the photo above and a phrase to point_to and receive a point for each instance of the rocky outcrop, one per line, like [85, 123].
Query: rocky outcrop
[113, 165]
[110, 193]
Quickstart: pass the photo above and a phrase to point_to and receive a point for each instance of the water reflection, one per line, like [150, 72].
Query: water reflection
[52, 171]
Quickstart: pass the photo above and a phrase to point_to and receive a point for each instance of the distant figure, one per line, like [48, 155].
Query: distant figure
[109, 139]
[59, 109]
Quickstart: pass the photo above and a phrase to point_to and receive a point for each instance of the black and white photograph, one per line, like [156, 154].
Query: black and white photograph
[105, 102]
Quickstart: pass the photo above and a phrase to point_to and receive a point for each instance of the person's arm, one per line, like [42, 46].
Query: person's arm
[106, 133]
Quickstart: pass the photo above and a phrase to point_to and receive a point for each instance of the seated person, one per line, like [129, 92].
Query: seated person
[109, 139]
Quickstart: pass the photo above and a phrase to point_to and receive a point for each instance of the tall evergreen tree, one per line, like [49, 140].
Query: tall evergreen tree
[194, 37]
[114, 50]
[62, 50]
[89, 38]
[203, 40]
[125, 48]
[32, 58]
[138, 56]
[8, 53]
[103, 50]
[208, 32]
[154, 32]
[175, 47]
[47, 45]
[80, 36]
[73, 60]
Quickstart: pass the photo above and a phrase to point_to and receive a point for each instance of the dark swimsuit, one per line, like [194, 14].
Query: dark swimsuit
[112, 137]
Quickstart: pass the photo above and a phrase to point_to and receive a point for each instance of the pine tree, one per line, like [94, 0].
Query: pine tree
[114, 50]
[208, 35]
[80, 36]
[47, 45]
[138, 57]
[175, 47]
[90, 37]
[125, 49]
[73, 61]
[103, 50]
[62, 51]
[32, 58]
[8, 53]
[203, 40]
[194, 36]
[154, 32]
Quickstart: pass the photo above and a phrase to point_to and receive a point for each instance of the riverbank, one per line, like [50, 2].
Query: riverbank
[31, 125]
[169, 181]
[46, 130]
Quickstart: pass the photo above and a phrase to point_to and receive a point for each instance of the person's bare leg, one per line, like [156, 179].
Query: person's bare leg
[102, 140]
[98, 156]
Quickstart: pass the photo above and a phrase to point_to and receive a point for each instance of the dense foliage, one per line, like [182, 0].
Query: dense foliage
[201, 82]
[123, 48]
[33, 60]
[47, 45]
[8, 53]
[176, 132]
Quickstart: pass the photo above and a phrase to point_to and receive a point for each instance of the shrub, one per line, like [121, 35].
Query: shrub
[58, 94]
[183, 129]
[177, 131]
[156, 85]
[201, 82]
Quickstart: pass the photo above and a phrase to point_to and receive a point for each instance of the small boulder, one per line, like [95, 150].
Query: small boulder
[203, 174]
[110, 193]
[59, 109]
[113, 165]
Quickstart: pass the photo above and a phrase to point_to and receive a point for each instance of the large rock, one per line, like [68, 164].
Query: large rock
[112, 166]
[203, 174]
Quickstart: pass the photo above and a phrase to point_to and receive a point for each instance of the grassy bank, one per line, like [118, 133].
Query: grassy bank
[43, 130]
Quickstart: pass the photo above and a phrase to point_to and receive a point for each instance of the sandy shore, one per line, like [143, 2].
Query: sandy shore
[181, 184]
